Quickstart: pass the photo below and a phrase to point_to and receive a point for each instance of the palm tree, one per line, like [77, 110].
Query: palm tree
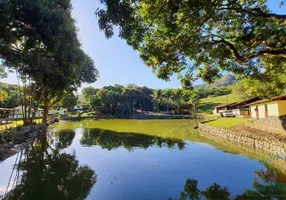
[157, 97]
[195, 102]
[168, 94]
[177, 98]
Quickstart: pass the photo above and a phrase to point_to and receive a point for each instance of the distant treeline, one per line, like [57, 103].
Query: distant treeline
[121, 101]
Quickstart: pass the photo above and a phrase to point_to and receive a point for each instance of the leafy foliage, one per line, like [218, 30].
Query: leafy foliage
[5, 137]
[199, 38]
[270, 82]
[69, 101]
[122, 101]
[39, 40]
[9, 95]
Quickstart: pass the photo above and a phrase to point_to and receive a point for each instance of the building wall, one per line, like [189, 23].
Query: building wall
[253, 112]
[273, 109]
[261, 111]
[236, 112]
[282, 107]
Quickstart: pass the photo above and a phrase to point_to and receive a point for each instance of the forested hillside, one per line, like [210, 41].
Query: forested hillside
[222, 86]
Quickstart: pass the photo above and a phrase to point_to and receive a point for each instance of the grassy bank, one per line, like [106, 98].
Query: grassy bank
[208, 103]
[228, 122]
[15, 123]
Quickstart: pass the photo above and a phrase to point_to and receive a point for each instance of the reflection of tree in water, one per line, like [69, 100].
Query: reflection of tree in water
[112, 140]
[62, 139]
[47, 174]
[269, 185]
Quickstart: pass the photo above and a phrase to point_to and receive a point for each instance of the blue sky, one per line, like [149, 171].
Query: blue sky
[117, 62]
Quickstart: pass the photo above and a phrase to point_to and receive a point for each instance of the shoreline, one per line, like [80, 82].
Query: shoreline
[254, 138]
[20, 139]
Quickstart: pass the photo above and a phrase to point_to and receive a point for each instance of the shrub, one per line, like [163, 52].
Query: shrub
[5, 137]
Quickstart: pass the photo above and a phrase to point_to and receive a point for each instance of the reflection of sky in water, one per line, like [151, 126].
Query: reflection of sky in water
[162, 168]
[151, 172]
[6, 168]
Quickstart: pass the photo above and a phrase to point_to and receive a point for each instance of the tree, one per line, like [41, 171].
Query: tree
[68, 101]
[215, 36]
[269, 84]
[239, 90]
[177, 98]
[39, 41]
[134, 97]
[88, 92]
[3, 92]
[123, 101]
[158, 96]
[167, 96]
[3, 73]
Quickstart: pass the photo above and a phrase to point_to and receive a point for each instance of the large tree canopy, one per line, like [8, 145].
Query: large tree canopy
[38, 38]
[198, 38]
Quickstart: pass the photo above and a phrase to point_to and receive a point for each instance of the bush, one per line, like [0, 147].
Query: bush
[19, 128]
[5, 137]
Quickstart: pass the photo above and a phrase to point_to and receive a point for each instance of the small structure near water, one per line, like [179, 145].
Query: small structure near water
[241, 109]
[6, 115]
[262, 109]
[221, 107]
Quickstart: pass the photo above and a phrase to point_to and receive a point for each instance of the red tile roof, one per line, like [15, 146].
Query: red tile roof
[258, 102]
[282, 97]
[247, 101]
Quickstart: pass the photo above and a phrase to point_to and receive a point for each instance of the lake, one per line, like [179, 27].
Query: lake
[137, 159]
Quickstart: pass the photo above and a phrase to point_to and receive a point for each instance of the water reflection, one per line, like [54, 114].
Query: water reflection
[62, 139]
[269, 184]
[108, 139]
[44, 173]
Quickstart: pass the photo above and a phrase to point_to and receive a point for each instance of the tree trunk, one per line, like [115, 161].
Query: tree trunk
[45, 115]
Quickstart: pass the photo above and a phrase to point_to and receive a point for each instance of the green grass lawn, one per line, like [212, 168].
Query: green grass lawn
[14, 124]
[208, 103]
[228, 122]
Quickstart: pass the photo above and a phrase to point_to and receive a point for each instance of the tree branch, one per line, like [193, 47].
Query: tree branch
[242, 59]
[257, 13]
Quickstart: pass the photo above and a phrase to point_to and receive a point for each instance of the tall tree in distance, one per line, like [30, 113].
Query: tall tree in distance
[219, 35]
[168, 93]
[158, 96]
[177, 98]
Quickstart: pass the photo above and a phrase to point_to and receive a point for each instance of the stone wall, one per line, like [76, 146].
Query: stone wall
[271, 124]
[271, 145]
[253, 153]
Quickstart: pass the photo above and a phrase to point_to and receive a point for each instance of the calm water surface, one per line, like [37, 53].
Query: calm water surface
[133, 159]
